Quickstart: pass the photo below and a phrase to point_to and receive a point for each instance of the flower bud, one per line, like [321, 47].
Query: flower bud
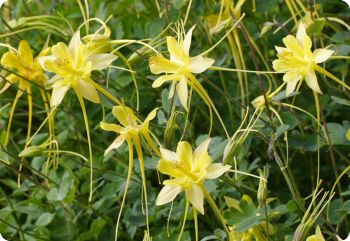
[262, 190]
[31, 151]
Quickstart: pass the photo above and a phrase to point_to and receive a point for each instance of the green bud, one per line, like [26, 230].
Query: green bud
[262, 190]
[31, 151]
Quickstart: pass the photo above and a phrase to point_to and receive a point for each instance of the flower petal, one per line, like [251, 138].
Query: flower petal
[151, 115]
[196, 197]
[293, 45]
[215, 170]
[184, 152]
[199, 64]
[115, 144]
[201, 158]
[280, 49]
[159, 64]
[168, 155]
[167, 167]
[164, 78]
[75, 44]
[25, 53]
[303, 39]
[187, 41]
[291, 87]
[182, 92]
[42, 61]
[10, 60]
[101, 61]
[175, 50]
[86, 88]
[61, 51]
[172, 90]
[167, 194]
[110, 127]
[124, 115]
[311, 81]
[321, 55]
[58, 92]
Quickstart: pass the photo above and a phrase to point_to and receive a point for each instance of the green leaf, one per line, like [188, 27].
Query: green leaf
[44, 219]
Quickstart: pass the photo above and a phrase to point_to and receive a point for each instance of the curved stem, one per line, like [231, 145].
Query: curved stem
[12, 112]
[81, 101]
[131, 164]
[184, 221]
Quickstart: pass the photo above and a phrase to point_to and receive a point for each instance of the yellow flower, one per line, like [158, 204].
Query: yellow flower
[317, 236]
[179, 67]
[24, 65]
[129, 128]
[73, 65]
[298, 62]
[131, 131]
[188, 170]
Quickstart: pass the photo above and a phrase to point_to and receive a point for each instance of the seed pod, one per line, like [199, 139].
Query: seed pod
[262, 190]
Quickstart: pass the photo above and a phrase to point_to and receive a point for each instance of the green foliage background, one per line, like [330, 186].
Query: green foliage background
[56, 207]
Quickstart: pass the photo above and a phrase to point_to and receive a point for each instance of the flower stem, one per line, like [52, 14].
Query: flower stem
[81, 101]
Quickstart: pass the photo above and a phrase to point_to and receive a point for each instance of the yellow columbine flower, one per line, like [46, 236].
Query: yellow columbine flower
[73, 65]
[179, 67]
[317, 236]
[298, 62]
[188, 170]
[25, 65]
[131, 131]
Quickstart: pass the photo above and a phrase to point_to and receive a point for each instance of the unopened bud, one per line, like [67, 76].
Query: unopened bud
[31, 151]
[262, 190]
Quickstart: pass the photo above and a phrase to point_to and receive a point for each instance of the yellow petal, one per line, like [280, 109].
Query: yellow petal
[201, 158]
[10, 60]
[184, 152]
[319, 234]
[182, 92]
[168, 194]
[169, 168]
[321, 55]
[159, 64]
[61, 51]
[293, 46]
[199, 64]
[187, 41]
[280, 49]
[164, 78]
[175, 50]
[25, 53]
[311, 81]
[312, 238]
[75, 45]
[215, 170]
[101, 61]
[196, 197]
[115, 144]
[168, 155]
[58, 93]
[110, 127]
[291, 87]
[86, 89]
[303, 39]
[172, 90]
[124, 115]
[151, 115]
